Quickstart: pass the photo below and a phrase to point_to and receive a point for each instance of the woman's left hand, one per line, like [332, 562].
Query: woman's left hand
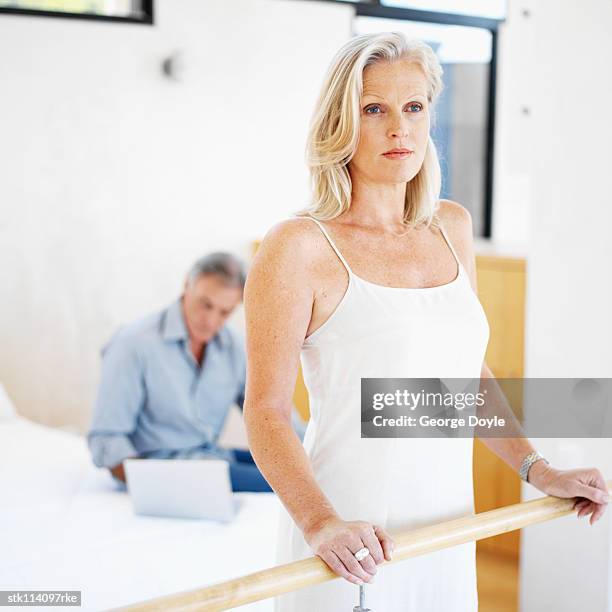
[587, 484]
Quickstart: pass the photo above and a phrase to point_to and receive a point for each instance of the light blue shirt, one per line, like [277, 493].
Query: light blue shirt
[154, 396]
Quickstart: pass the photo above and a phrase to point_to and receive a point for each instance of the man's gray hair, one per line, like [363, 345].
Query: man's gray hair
[225, 265]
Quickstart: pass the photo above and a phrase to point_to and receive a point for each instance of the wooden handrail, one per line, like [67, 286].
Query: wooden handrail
[408, 543]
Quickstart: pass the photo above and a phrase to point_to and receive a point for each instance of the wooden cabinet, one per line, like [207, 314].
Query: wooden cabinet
[501, 290]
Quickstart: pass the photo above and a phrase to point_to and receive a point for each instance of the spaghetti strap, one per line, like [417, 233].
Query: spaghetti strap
[450, 246]
[331, 242]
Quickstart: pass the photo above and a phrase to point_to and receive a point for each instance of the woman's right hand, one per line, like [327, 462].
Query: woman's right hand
[336, 542]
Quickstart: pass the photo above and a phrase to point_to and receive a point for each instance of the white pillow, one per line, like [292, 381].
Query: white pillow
[7, 410]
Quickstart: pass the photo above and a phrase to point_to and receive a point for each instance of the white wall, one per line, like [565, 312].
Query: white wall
[566, 49]
[115, 178]
[513, 134]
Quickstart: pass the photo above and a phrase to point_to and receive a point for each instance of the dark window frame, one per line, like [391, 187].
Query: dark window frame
[373, 8]
[146, 19]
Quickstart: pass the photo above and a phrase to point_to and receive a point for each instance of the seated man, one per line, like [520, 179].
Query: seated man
[169, 379]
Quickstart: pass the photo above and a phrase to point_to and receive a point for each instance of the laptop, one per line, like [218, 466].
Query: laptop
[181, 488]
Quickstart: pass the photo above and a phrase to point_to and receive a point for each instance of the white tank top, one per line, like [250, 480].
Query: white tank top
[393, 332]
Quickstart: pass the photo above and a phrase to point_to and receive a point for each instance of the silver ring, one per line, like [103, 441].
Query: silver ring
[362, 553]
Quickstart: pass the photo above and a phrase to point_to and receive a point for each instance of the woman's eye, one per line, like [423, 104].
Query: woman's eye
[376, 110]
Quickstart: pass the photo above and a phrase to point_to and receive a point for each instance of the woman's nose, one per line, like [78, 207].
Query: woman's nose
[398, 129]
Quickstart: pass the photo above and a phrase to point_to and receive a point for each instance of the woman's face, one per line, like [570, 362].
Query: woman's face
[394, 115]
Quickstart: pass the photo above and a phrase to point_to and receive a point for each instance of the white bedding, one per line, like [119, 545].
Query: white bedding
[65, 525]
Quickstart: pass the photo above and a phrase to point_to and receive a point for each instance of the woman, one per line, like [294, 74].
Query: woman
[375, 279]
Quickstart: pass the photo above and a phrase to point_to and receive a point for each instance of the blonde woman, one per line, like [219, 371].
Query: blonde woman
[375, 279]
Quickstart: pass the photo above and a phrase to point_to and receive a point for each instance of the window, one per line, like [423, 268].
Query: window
[495, 9]
[132, 11]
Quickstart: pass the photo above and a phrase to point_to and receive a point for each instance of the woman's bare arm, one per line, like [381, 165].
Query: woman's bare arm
[587, 484]
[278, 300]
[279, 297]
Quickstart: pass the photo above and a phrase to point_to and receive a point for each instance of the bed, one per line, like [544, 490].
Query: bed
[66, 525]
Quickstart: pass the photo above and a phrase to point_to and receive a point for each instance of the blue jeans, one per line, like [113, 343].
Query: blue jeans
[244, 474]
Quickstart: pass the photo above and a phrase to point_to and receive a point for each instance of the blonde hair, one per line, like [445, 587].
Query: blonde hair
[334, 127]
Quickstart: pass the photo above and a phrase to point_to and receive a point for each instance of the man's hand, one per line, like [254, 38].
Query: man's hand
[118, 472]
[586, 484]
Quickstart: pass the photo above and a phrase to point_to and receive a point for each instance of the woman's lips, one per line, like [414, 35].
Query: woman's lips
[402, 155]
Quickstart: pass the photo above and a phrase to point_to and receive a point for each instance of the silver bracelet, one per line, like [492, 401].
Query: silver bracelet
[527, 462]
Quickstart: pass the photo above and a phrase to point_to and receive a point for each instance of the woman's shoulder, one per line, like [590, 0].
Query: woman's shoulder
[299, 234]
[456, 220]
[291, 244]
[457, 223]
[295, 225]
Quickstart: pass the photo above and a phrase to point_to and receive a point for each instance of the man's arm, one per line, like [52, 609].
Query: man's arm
[240, 397]
[118, 403]
[118, 472]
[240, 370]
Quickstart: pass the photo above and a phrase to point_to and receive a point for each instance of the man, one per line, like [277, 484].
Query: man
[169, 379]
